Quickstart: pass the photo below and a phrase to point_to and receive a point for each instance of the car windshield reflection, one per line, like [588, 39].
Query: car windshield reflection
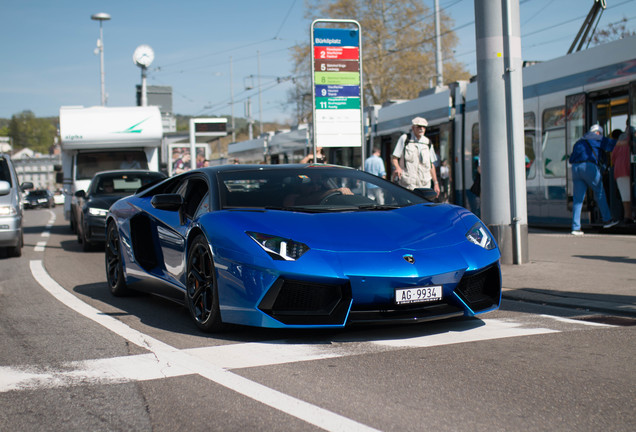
[311, 189]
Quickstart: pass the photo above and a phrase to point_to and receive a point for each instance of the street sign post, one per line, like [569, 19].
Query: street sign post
[336, 84]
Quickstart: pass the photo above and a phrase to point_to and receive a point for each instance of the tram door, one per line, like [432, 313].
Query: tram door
[611, 109]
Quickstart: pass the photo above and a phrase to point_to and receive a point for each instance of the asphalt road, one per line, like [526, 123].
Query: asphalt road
[72, 357]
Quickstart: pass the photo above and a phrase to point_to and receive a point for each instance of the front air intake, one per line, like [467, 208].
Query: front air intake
[307, 303]
[481, 290]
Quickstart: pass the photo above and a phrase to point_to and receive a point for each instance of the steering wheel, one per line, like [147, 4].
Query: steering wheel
[330, 195]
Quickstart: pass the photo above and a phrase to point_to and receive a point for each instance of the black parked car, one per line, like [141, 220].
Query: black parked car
[42, 198]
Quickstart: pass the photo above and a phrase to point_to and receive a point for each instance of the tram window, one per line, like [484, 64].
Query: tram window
[553, 142]
[530, 135]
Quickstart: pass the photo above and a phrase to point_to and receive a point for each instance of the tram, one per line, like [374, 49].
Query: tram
[562, 99]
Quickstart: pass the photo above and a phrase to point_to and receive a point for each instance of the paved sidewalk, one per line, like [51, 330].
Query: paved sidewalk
[594, 272]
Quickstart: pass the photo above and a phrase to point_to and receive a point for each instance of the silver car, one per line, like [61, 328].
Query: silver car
[11, 236]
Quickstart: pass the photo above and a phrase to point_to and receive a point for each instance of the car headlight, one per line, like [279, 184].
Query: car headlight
[279, 248]
[8, 210]
[480, 235]
[97, 212]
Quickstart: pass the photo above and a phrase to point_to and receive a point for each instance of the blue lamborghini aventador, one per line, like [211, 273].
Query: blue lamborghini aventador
[301, 246]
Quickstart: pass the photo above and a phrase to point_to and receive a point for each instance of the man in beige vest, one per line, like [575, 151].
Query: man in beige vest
[414, 158]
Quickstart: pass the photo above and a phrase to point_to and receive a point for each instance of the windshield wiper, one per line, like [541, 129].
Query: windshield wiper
[378, 207]
[306, 209]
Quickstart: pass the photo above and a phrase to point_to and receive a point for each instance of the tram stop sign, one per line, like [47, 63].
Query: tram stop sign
[205, 127]
[336, 81]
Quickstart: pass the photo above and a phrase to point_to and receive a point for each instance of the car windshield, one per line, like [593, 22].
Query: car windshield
[122, 183]
[38, 194]
[313, 188]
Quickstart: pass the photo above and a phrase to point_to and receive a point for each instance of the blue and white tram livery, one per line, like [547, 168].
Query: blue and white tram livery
[562, 99]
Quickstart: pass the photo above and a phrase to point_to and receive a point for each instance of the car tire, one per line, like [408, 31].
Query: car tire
[16, 251]
[87, 246]
[201, 287]
[113, 263]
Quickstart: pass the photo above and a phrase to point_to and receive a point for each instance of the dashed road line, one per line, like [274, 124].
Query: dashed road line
[41, 245]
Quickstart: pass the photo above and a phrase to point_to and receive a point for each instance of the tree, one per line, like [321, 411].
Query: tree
[398, 48]
[613, 31]
[29, 131]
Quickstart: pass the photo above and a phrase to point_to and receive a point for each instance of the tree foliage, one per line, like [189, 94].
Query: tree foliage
[613, 31]
[398, 48]
[26, 130]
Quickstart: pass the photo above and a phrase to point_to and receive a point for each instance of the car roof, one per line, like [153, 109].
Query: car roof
[127, 171]
[281, 167]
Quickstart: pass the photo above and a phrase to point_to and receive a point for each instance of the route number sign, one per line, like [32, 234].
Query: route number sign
[336, 81]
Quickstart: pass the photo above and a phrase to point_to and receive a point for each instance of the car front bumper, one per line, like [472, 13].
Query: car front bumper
[10, 230]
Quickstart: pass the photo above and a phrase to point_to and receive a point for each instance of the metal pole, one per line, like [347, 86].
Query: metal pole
[495, 192]
[260, 104]
[232, 99]
[438, 49]
[101, 17]
[144, 88]
[101, 63]
[514, 120]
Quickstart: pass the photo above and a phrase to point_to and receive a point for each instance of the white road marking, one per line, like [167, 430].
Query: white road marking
[169, 357]
[39, 246]
[216, 363]
[492, 329]
[573, 321]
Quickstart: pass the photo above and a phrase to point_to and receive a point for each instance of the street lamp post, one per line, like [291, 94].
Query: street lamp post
[100, 46]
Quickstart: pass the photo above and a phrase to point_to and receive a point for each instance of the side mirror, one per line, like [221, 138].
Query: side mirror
[426, 193]
[26, 186]
[170, 202]
[80, 193]
[5, 187]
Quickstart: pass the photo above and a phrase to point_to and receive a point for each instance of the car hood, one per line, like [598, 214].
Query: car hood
[410, 228]
[103, 201]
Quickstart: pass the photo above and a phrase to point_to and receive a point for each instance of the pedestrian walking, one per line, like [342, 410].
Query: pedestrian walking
[375, 165]
[587, 159]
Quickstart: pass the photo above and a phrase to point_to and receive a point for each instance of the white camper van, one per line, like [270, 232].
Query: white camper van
[101, 138]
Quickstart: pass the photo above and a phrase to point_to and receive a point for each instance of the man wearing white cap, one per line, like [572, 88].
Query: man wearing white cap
[586, 158]
[414, 158]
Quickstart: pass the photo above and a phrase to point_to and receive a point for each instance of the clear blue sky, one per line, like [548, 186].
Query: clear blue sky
[47, 49]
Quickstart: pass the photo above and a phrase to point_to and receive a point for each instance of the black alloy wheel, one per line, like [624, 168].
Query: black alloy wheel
[113, 263]
[201, 290]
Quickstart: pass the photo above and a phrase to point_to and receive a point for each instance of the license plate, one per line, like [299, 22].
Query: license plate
[418, 295]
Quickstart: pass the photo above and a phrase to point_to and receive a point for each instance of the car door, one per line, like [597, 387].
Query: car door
[172, 235]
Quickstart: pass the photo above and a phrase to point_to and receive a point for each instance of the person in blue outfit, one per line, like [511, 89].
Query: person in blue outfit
[375, 165]
[586, 159]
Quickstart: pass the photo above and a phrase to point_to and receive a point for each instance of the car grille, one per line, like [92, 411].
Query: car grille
[404, 313]
[481, 290]
[306, 303]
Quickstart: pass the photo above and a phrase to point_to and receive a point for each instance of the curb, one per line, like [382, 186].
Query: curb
[539, 297]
